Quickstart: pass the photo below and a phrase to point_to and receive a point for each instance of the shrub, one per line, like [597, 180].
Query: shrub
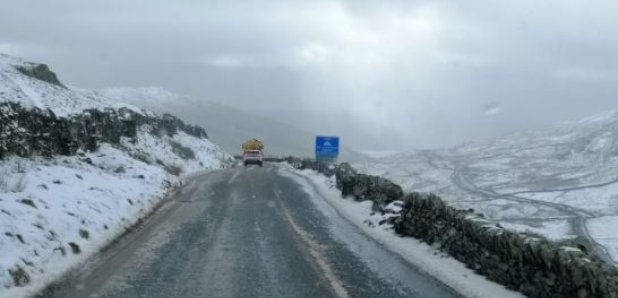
[182, 151]
[174, 170]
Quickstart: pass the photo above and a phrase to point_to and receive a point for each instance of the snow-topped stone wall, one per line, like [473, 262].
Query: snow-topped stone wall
[25, 132]
[527, 263]
[530, 264]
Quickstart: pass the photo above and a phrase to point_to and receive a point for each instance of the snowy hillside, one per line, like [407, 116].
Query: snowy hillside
[70, 185]
[16, 86]
[561, 181]
[228, 126]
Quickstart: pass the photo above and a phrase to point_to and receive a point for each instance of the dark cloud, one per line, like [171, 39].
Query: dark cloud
[384, 75]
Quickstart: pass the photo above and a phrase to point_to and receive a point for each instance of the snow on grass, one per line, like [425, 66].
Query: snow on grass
[17, 87]
[557, 229]
[603, 230]
[448, 270]
[181, 153]
[416, 174]
[55, 213]
[601, 200]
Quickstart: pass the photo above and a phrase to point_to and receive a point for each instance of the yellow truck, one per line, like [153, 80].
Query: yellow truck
[252, 152]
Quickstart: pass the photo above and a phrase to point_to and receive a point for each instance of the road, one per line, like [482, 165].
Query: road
[247, 232]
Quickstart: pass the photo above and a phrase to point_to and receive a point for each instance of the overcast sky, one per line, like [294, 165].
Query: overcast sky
[382, 74]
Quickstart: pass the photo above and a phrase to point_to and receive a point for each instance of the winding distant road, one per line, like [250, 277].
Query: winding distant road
[246, 232]
[579, 216]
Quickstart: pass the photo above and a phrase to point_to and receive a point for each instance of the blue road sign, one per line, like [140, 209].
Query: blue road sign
[326, 147]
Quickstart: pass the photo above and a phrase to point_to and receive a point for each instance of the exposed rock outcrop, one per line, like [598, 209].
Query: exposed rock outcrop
[40, 72]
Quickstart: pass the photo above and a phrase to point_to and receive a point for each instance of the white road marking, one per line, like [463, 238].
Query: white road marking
[314, 250]
[233, 178]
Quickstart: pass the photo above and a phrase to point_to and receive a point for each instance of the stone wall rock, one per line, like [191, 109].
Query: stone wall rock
[32, 131]
[293, 161]
[40, 72]
[366, 187]
[361, 187]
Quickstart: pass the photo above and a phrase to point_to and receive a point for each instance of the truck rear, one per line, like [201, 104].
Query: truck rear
[252, 152]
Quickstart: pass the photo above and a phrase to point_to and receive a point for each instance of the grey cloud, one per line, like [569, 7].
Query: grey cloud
[384, 75]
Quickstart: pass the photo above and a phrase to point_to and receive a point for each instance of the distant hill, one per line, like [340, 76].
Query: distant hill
[227, 126]
[560, 181]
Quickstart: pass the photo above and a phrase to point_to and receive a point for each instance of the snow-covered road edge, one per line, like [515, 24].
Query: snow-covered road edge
[446, 269]
[78, 169]
[84, 200]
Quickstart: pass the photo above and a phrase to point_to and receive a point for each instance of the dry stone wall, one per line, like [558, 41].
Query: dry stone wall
[359, 186]
[530, 264]
[31, 131]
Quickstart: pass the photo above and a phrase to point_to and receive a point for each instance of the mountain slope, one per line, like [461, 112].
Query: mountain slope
[228, 126]
[561, 181]
[24, 82]
[77, 170]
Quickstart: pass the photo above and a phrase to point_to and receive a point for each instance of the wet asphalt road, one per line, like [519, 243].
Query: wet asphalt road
[247, 232]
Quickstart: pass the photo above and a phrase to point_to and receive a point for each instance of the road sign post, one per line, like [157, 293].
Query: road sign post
[326, 150]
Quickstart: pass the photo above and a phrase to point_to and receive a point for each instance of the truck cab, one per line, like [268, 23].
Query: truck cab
[253, 157]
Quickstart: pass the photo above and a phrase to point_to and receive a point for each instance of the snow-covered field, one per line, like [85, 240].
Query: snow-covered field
[56, 213]
[446, 269]
[561, 182]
